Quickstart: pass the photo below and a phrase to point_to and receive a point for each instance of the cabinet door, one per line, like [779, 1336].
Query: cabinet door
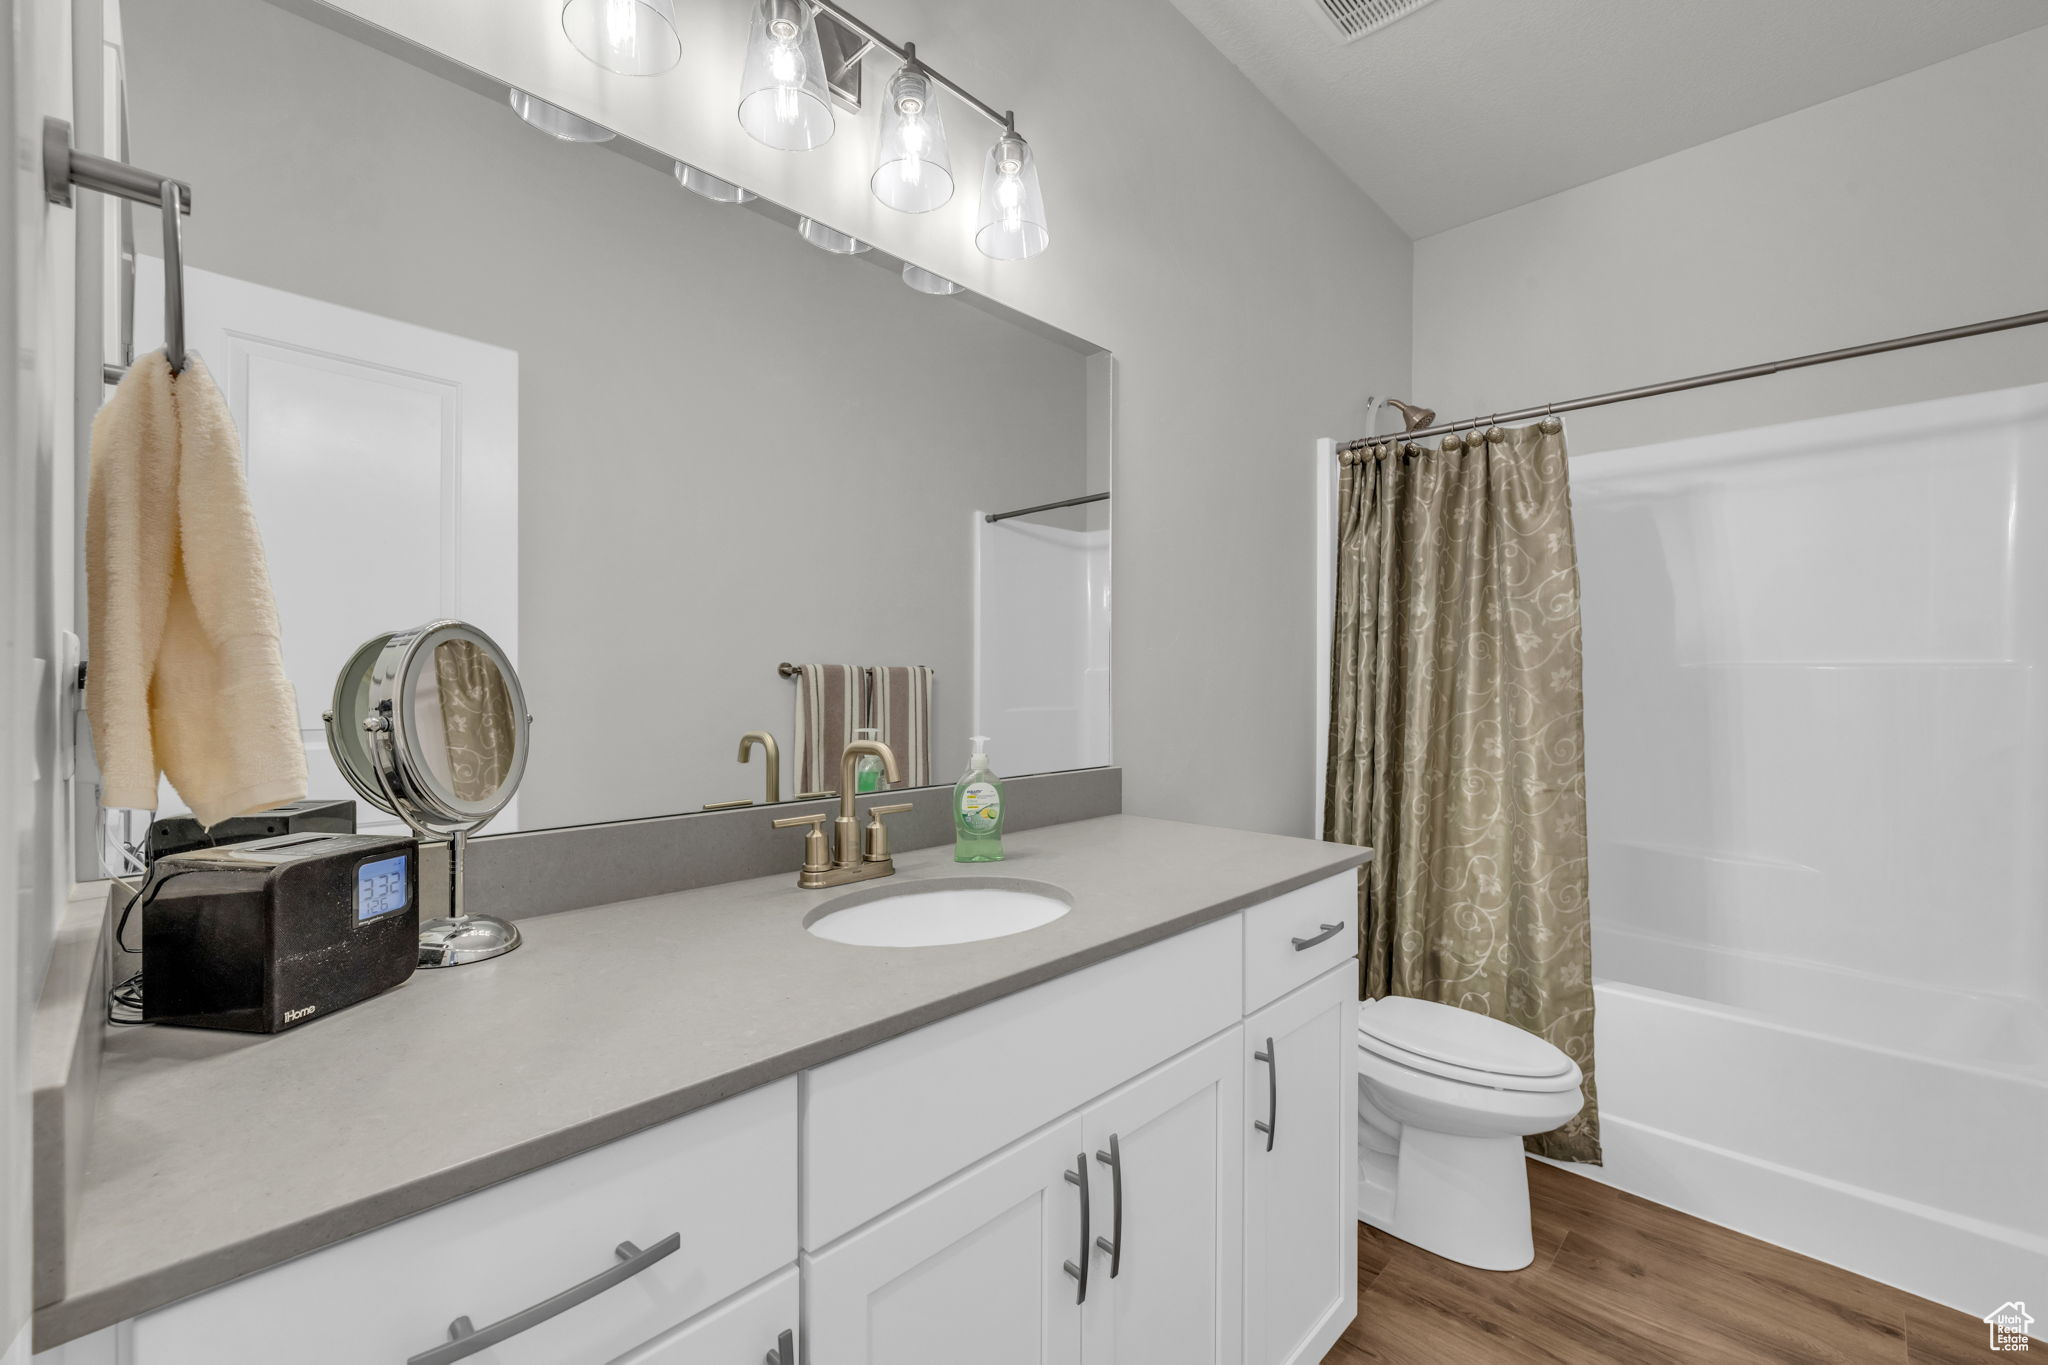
[1301, 1171]
[973, 1270]
[746, 1329]
[1167, 1284]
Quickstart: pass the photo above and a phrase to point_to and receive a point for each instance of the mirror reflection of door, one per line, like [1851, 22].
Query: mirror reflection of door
[383, 461]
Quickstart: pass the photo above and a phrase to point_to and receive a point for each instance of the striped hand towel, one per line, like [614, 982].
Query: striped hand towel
[829, 704]
[900, 706]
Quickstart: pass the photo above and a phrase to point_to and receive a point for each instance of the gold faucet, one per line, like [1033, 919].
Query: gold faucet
[773, 752]
[851, 858]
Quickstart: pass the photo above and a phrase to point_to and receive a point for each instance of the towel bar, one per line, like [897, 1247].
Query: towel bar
[64, 166]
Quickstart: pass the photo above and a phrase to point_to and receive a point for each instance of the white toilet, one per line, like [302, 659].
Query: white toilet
[1445, 1097]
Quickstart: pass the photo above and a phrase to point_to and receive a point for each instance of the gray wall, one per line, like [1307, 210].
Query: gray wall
[734, 448]
[1252, 296]
[1908, 206]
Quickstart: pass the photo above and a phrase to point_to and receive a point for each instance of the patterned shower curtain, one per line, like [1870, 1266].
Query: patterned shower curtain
[1457, 737]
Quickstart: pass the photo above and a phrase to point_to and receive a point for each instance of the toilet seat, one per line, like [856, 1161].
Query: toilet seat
[1459, 1045]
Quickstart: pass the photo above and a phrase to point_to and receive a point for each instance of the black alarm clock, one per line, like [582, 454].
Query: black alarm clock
[267, 935]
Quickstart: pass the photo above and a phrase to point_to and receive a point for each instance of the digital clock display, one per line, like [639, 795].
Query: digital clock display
[381, 887]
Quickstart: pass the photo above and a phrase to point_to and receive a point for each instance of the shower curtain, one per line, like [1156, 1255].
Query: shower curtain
[1457, 740]
[476, 711]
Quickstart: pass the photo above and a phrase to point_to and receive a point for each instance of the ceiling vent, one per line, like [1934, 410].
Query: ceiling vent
[1356, 18]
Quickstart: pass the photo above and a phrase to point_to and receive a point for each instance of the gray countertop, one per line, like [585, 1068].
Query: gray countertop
[213, 1155]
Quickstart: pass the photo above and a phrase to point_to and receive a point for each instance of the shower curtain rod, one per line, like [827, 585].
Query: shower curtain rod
[1701, 381]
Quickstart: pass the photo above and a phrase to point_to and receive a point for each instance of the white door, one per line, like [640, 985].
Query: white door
[383, 461]
[747, 1329]
[1301, 1171]
[1169, 1203]
[975, 1270]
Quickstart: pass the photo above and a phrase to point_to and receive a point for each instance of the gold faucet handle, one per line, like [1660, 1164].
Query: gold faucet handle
[875, 842]
[815, 857]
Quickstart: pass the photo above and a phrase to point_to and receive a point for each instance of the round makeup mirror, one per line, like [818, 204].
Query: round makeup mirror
[431, 725]
[349, 743]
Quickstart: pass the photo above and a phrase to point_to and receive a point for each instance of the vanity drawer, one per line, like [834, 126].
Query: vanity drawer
[893, 1120]
[1289, 942]
[755, 1326]
[723, 1179]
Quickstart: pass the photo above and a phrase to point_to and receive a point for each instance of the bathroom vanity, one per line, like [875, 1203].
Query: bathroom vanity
[685, 1129]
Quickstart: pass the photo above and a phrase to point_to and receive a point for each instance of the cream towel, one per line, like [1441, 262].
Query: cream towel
[187, 676]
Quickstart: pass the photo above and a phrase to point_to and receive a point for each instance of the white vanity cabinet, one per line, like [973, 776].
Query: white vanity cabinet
[734, 1333]
[1113, 1237]
[1167, 1153]
[718, 1186]
[1149, 1161]
[1301, 1171]
[972, 1270]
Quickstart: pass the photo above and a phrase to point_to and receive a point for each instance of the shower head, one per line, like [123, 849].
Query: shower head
[1412, 417]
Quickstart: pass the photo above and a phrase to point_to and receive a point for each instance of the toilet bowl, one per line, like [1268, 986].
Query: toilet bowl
[1445, 1097]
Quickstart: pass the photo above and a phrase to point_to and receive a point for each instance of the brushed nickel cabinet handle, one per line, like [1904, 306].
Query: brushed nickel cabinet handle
[1271, 1123]
[1114, 1243]
[1302, 945]
[465, 1340]
[1079, 1176]
[785, 1349]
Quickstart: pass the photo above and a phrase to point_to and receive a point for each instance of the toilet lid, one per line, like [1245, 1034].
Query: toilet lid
[1449, 1036]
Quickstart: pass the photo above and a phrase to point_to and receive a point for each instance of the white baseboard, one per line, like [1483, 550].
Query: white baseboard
[1964, 1263]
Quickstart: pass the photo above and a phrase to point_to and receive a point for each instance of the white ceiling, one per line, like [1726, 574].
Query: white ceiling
[1468, 107]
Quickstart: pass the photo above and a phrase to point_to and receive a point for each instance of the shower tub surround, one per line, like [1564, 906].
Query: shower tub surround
[1816, 751]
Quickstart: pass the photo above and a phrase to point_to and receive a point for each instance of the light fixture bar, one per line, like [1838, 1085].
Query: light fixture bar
[896, 50]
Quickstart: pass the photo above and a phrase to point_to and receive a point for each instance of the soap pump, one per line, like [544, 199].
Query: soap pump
[978, 810]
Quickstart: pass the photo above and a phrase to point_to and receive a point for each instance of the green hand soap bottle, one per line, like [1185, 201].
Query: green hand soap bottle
[978, 811]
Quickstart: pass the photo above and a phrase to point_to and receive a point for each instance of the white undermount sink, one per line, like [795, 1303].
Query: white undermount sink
[948, 910]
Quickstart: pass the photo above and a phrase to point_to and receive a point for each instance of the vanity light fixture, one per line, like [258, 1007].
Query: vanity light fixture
[556, 122]
[631, 37]
[925, 282]
[1012, 209]
[830, 238]
[786, 95]
[710, 186]
[783, 100]
[912, 171]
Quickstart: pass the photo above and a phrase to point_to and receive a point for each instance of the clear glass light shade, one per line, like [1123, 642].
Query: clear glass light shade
[631, 37]
[829, 238]
[710, 186]
[555, 122]
[783, 100]
[912, 171]
[1012, 210]
[924, 282]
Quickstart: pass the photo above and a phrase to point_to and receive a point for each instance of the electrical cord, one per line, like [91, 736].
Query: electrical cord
[124, 999]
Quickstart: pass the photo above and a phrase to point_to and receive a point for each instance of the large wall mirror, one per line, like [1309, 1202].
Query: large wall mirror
[657, 446]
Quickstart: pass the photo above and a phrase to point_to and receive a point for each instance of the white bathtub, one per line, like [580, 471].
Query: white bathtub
[1824, 1135]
